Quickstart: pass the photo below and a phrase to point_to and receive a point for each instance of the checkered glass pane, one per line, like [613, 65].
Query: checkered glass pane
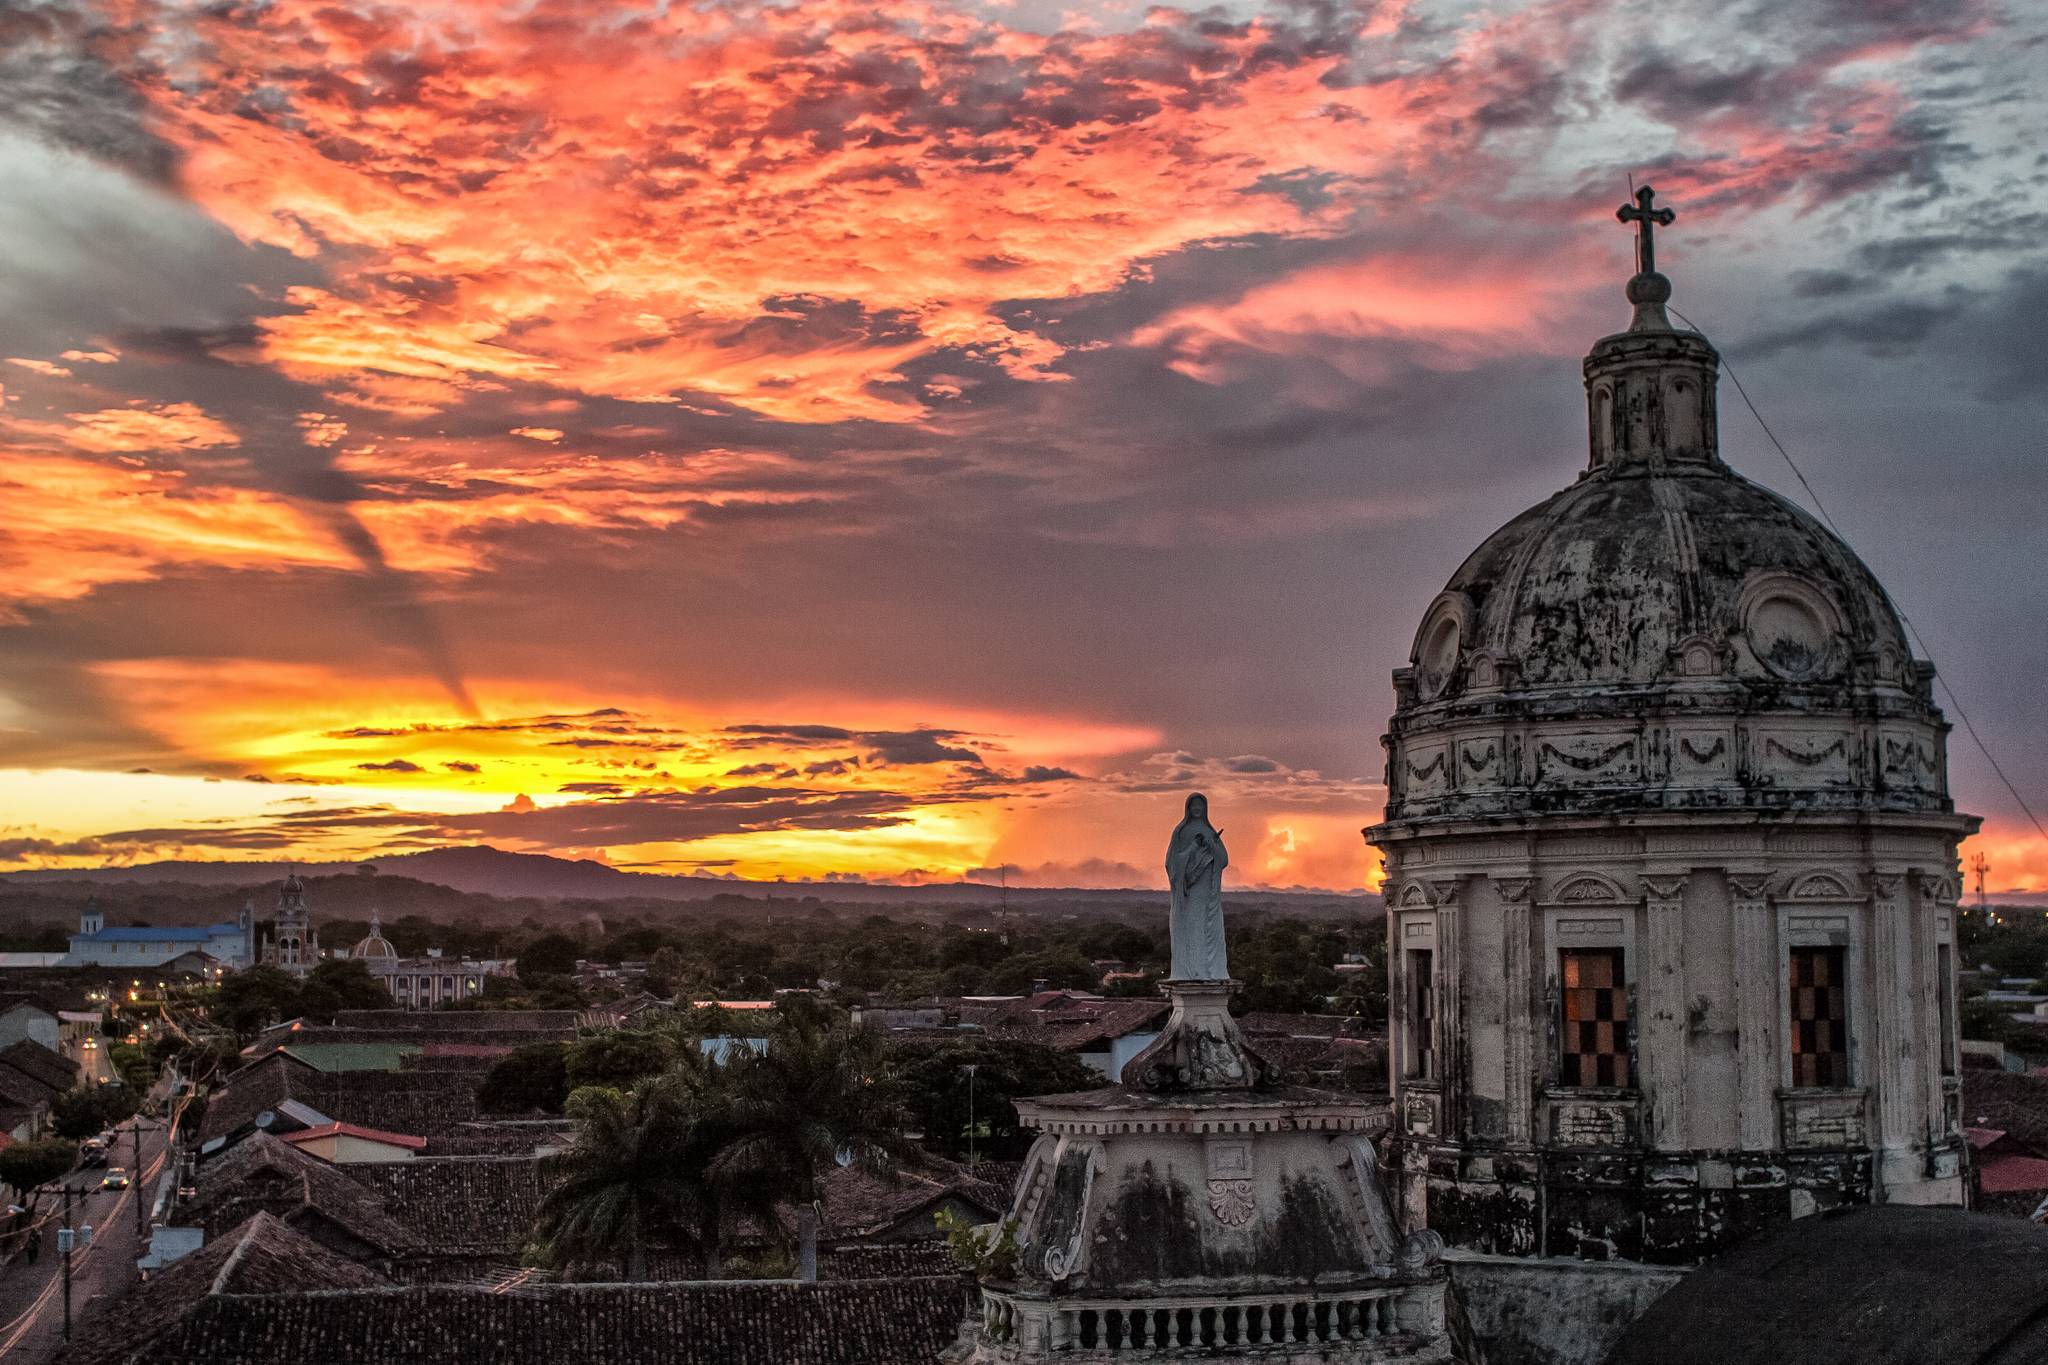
[1594, 1030]
[1820, 1016]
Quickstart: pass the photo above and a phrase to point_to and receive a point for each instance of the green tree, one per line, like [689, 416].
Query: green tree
[822, 1093]
[90, 1108]
[26, 1167]
[616, 1058]
[250, 1001]
[939, 1096]
[638, 1175]
[548, 955]
[343, 984]
[533, 1076]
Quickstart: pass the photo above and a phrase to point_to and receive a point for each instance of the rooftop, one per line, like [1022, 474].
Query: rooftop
[1888, 1285]
[905, 1321]
[168, 933]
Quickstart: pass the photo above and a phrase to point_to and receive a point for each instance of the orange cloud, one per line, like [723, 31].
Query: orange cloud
[73, 524]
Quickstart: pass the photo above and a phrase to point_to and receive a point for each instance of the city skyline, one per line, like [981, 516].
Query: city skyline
[804, 442]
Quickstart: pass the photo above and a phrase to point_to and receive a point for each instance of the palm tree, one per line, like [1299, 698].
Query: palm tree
[635, 1175]
[822, 1095]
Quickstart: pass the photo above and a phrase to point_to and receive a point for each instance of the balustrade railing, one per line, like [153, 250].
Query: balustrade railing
[1170, 1327]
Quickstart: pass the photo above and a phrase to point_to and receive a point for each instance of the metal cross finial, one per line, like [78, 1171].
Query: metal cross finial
[1647, 220]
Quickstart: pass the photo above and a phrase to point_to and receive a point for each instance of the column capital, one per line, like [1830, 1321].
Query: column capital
[1749, 884]
[1883, 885]
[1514, 890]
[1665, 886]
[1445, 890]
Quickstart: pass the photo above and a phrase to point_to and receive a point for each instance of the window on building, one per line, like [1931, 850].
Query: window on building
[1594, 1035]
[1945, 992]
[1421, 1014]
[1820, 1016]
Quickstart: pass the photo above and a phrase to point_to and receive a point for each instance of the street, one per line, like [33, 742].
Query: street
[31, 1296]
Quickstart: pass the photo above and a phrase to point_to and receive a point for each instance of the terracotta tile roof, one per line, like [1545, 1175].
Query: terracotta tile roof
[1001, 1174]
[1065, 1022]
[262, 1174]
[2014, 1104]
[468, 1206]
[23, 1094]
[860, 1203]
[1259, 1022]
[260, 1256]
[2012, 1174]
[510, 1137]
[421, 1103]
[39, 1063]
[850, 1322]
[886, 1260]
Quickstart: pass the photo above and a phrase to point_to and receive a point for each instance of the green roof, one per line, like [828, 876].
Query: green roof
[352, 1056]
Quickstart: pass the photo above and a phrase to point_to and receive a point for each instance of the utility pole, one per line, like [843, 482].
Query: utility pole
[1980, 865]
[970, 1112]
[64, 1240]
[135, 1183]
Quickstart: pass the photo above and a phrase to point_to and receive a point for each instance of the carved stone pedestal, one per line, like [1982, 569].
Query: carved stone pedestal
[1200, 1048]
[1233, 1225]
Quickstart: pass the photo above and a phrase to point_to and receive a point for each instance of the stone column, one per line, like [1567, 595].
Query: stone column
[1893, 1001]
[1517, 947]
[1450, 1033]
[1757, 989]
[1661, 1036]
[1930, 904]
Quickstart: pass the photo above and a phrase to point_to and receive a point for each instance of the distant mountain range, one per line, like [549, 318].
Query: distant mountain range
[481, 869]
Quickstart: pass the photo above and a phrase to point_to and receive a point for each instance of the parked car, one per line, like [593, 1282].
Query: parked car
[116, 1178]
[93, 1156]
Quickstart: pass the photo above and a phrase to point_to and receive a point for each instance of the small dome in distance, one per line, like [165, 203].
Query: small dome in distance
[374, 945]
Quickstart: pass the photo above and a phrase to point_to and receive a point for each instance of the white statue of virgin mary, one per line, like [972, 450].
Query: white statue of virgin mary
[1195, 859]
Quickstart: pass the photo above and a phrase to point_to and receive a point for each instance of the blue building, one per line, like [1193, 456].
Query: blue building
[231, 943]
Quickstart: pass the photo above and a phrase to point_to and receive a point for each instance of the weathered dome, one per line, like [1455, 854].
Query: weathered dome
[1663, 634]
[1619, 577]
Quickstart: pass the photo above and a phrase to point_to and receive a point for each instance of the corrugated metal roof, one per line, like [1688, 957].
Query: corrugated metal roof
[167, 934]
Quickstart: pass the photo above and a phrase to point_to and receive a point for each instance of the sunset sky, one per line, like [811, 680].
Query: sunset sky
[900, 440]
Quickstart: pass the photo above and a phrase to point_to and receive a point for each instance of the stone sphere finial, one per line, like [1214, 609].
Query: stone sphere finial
[1649, 292]
[1649, 288]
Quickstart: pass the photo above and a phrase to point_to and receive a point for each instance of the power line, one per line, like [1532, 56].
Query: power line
[1955, 702]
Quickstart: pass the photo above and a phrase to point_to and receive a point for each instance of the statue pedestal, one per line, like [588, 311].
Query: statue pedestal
[1235, 1226]
[1201, 1047]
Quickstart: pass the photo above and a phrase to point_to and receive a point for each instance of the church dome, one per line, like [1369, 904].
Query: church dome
[1663, 634]
[374, 945]
[1645, 572]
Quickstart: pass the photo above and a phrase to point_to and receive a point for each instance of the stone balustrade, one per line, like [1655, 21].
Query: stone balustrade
[1281, 1325]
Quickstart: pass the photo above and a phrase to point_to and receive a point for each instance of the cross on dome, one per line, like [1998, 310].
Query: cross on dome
[1647, 221]
[1647, 290]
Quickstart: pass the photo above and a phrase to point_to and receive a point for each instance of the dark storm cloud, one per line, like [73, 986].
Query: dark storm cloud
[1882, 329]
[394, 765]
[885, 747]
[59, 83]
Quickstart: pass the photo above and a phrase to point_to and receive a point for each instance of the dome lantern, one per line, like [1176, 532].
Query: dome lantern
[1650, 389]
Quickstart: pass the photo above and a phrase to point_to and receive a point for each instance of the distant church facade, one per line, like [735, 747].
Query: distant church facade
[1671, 864]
